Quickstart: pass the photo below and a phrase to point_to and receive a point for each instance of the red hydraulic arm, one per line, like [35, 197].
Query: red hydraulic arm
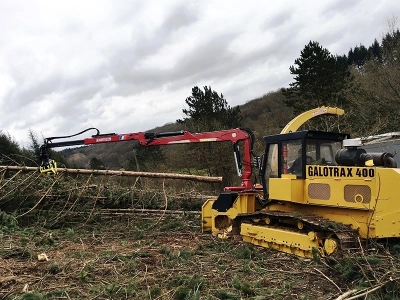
[168, 138]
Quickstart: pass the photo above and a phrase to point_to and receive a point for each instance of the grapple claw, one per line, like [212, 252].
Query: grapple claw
[50, 167]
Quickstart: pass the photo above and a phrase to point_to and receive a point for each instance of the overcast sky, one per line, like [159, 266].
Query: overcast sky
[128, 66]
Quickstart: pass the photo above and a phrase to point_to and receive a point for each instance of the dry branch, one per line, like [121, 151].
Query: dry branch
[330, 280]
[122, 173]
[124, 211]
[345, 295]
[40, 200]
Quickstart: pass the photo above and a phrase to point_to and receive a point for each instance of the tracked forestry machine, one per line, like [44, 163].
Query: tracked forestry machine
[320, 192]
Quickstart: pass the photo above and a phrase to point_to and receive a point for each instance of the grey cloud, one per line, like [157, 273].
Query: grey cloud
[122, 14]
[340, 6]
[207, 60]
[81, 87]
[181, 17]
[124, 62]
[278, 20]
[144, 45]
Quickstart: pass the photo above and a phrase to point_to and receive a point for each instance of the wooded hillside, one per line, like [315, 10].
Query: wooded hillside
[265, 115]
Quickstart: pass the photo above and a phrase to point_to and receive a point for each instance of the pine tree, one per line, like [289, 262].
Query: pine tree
[209, 111]
[34, 151]
[377, 89]
[10, 152]
[375, 51]
[360, 55]
[319, 80]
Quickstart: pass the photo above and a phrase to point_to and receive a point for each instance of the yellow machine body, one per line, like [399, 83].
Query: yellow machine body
[367, 205]
[325, 208]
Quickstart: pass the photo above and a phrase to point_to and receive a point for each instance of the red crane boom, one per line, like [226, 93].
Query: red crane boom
[168, 138]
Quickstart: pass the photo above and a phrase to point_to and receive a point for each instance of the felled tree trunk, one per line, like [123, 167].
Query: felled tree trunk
[121, 173]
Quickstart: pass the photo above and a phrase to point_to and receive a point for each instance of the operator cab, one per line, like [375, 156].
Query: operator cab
[290, 153]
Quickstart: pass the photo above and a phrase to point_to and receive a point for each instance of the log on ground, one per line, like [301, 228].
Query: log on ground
[121, 173]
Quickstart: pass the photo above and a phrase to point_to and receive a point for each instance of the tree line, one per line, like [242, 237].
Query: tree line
[366, 83]
[11, 153]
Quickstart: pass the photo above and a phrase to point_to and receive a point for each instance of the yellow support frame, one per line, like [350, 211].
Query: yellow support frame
[291, 242]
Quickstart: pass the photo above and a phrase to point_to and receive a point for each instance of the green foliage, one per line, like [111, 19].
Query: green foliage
[360, 55]
[174, 224]
[131, 290]
[395, 250]
[347, 269]
[191, 282]
[96, 164]
[186, 254]
[112, 288]
[46, 241]
[360, 269]
[364, 83]
[138, 233]
[188, 288]
[70, 233]
[34, 145]
[165, 250]
[209, 111]
[10, 152]
[8, 223]
[376, 91]
[33, 296]
[55, 268]
[79, 254]
[245, 252]
[83, 275]
[244, 287]
[319, 80]
[155, 292]
[182, 293]
[34, 151]
[145, 159]
[17, 252]
[224, 295]
[390, 44]
[316, 255]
